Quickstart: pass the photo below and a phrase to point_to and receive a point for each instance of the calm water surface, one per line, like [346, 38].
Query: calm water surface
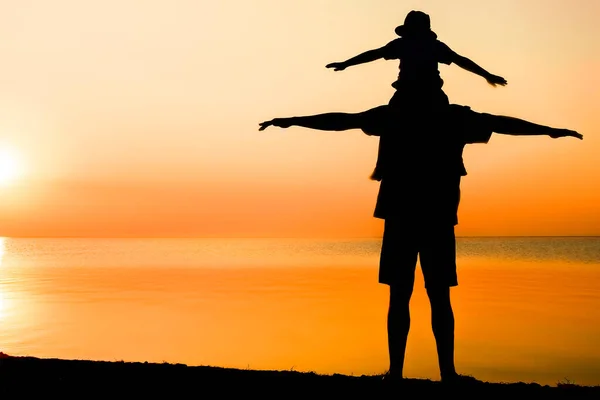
[527, 309]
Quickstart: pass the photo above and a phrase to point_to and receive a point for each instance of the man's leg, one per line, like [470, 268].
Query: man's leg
[398, 325]
[442, 322]
[397, 269]
[438, 262]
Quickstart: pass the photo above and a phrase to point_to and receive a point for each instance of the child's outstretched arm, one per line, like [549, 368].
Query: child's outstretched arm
[367, 56]
[470, 66]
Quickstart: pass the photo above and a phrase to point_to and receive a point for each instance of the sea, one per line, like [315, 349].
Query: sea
[526, 308]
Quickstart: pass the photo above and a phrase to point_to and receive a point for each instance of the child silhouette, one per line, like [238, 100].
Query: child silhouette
[419, 85]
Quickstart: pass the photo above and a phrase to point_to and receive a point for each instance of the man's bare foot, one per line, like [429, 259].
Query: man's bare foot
[393, 378]
[456, 379]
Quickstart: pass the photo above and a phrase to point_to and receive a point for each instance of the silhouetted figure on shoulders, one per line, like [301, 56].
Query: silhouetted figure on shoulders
[418, 198]
[419, 85]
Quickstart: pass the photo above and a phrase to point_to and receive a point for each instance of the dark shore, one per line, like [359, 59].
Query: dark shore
[23, 376]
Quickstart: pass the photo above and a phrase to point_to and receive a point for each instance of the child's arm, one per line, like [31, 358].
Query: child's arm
[367, 56]
[470, 66]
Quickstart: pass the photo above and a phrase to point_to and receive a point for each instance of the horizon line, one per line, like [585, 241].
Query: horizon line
[286, 237]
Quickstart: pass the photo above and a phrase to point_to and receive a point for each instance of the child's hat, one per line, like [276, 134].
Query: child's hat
[415, 23]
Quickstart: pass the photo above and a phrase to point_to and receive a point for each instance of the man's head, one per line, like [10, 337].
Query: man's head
[416, 25]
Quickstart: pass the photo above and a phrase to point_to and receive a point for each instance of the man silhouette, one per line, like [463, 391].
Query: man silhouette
[418, 199]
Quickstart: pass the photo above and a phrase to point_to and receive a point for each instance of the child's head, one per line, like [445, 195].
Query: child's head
[416, 25]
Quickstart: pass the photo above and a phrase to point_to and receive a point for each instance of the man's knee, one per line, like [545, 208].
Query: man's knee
[439, 296]
[400, 293]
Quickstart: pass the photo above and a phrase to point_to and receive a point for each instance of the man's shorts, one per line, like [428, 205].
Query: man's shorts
[434, 246]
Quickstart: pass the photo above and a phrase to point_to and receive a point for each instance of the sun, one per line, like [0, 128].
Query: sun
[10, 166]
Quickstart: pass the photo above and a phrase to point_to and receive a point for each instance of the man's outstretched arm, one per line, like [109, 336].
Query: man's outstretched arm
[366, 57]
[515, 126]
[336, 121]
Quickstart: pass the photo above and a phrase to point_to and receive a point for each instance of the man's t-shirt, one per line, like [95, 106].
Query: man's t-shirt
[419, 60]
[422, 161]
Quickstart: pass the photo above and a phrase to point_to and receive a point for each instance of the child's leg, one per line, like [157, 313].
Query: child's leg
[376, 175]
[442, 99]
[399, 101]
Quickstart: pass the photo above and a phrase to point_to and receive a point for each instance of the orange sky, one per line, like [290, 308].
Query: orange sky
[139, 118]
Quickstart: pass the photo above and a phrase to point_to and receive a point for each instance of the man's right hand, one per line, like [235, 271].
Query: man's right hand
[280, 122]
[496, 80]
[337, 66]
[564, 133]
